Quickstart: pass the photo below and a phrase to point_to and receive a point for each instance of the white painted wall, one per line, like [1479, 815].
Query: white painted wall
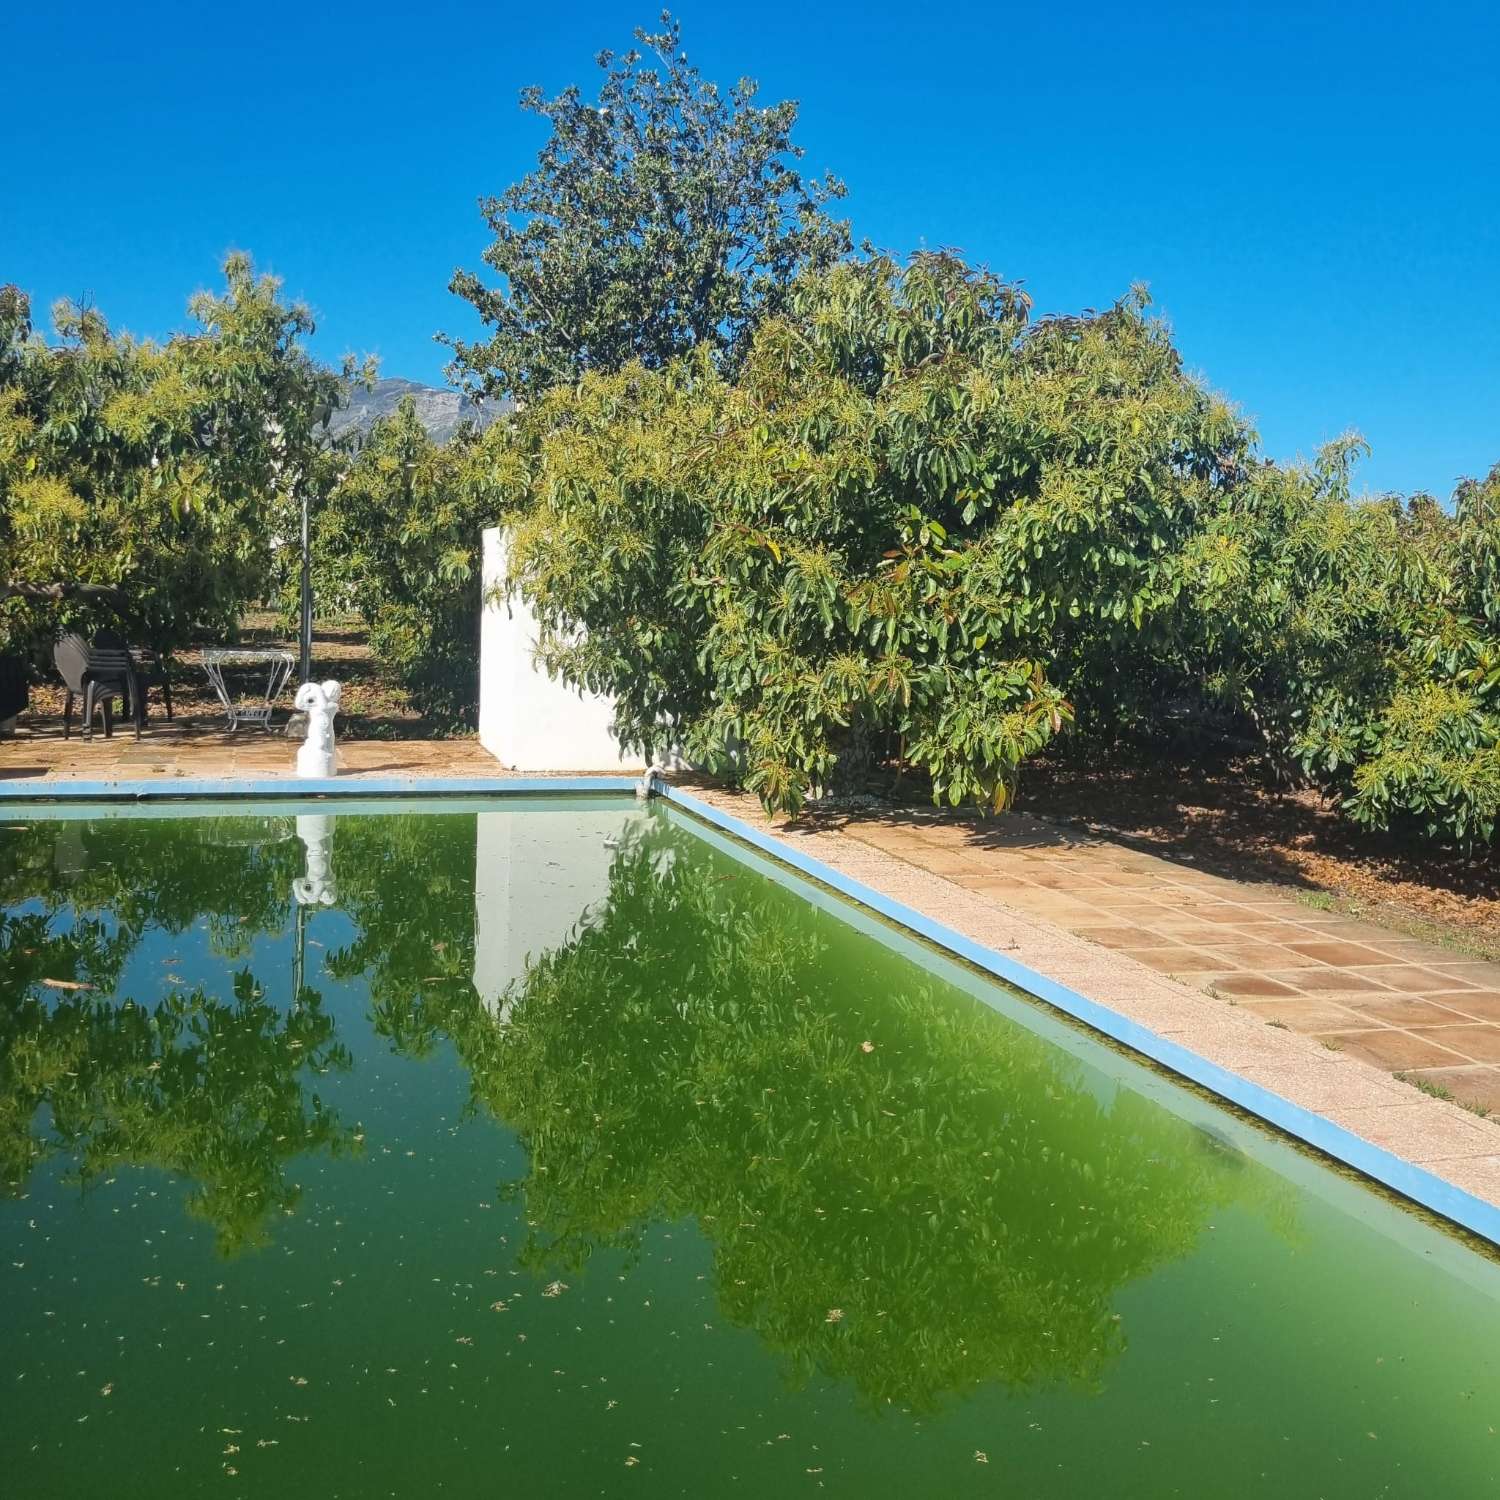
[527, 720]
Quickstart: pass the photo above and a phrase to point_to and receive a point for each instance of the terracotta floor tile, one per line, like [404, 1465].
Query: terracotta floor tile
[1059, 909]
[1411, 978]
[1174, 958]
[1112, 937]
[1003, 888]
[1128, 879]
[1482, 1005]
[1400, 1010]
[1279, 911]
[1468, 1085]
[1212, 885]
[944, 863]
[1483, 975]
[1223, 914]
[1252, 984]
[1331, 951]
[1193, 928]
[1412, 950]
[882, 836]
[1479, 1043]
[1304, 1014]
[1067, 881]
[1145, 917]
[1255, 955]
[1392, 1049]
[1268, 931]
[1345, 929]
[1114, 896]
[1321, 980]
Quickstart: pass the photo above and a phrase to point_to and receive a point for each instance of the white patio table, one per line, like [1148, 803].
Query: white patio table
[252, 709]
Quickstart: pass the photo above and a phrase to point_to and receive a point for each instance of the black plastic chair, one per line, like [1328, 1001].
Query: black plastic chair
[148, 667]
[96, 675]
[151, 671]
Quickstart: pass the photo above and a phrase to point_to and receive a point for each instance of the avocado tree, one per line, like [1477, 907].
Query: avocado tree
[145, 482]
[1360, 639]
[399, 537]
[913, 524]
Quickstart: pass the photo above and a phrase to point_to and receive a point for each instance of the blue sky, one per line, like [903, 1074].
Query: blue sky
[1311, 191]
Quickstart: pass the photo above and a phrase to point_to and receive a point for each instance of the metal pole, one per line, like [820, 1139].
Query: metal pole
[299, 953]
[304, 634]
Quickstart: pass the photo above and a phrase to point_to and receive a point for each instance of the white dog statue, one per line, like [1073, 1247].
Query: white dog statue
[320, 702]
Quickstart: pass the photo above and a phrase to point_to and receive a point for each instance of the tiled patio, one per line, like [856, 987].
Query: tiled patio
[187, 747]
[1402, 1004]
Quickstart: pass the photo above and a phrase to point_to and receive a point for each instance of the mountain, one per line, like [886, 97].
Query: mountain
[441, 411]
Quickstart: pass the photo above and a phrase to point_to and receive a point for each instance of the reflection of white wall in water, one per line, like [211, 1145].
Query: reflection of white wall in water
[527, 720]
[535, 876]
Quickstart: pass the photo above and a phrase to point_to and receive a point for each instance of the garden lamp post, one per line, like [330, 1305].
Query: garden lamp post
[304, 625]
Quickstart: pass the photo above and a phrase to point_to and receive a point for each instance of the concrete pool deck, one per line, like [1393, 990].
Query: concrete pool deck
[1317, 1009]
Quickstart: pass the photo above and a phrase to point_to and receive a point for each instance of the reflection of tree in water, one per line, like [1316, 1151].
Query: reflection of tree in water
[407, 884]
[207, 1087]
[234, 873]
[953, 1207]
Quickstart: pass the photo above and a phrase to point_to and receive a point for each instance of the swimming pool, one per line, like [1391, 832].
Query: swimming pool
[564, 1147]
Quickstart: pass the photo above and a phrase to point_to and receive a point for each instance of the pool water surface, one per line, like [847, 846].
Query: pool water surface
[561, 1148]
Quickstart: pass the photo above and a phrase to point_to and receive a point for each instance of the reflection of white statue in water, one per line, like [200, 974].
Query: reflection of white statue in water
[318, 886]
[320, 702]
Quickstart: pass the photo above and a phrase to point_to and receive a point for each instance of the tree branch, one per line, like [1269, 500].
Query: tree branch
[14, 587]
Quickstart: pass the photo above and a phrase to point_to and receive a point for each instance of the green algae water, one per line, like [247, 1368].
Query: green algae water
[561, 1149]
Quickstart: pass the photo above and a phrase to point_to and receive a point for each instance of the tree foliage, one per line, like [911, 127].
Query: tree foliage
[1361, 640]
[399, 537]
[915, 519]
[671, 215]
[920, 526]
[153, 475]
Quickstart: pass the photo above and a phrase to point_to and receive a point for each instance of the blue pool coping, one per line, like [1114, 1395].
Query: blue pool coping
[232, 788]
[1406, 1178]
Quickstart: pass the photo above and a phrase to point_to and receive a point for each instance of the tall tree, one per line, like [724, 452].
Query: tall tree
[668, 215]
